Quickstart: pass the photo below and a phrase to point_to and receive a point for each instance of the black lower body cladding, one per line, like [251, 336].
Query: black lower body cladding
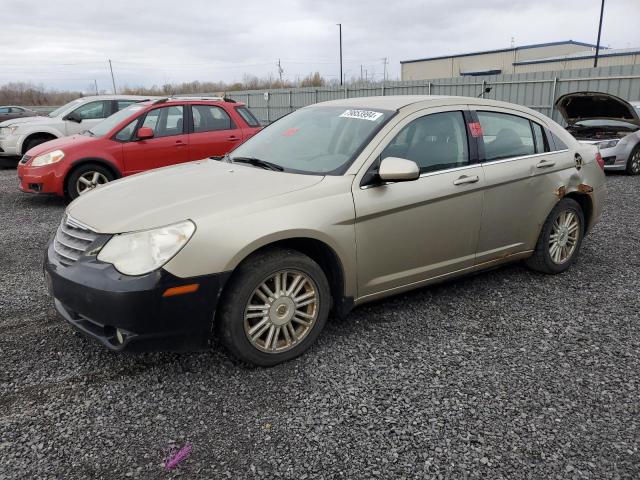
[132, 312]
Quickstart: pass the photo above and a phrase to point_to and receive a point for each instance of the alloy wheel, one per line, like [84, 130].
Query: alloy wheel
[635, 163]
[281, 311]
[564, 236]
[89, 181]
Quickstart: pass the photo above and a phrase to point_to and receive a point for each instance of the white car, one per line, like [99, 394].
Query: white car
[19, 135]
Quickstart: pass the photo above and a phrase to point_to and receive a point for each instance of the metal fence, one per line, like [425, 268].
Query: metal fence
[536, 90]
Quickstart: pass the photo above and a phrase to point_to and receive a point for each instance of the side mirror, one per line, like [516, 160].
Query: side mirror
[144, 133]
[393, 169]
[74, 117]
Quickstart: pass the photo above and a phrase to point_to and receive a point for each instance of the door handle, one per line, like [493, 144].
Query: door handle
[545, 164]
[180, 143]
[465, 179]
[233, 138]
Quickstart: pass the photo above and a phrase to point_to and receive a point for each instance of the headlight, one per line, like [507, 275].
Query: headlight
[138, 253]
[608, 143]
[48, 158]
[9, 130]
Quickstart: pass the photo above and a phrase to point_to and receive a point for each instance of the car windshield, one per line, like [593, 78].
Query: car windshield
[63, 109]
[105, 126]
[317, 140]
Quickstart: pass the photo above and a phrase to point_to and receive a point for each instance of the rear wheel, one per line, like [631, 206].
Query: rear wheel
[560, 238]
[633, 164]
[87, 177]
[274, 308]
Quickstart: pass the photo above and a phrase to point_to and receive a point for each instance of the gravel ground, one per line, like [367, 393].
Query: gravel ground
[503, 375]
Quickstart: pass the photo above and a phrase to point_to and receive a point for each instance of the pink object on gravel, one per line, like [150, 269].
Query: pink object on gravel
[179, 456]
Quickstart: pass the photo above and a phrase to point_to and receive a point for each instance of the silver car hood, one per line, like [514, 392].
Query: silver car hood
[192, 190]
[578, 106]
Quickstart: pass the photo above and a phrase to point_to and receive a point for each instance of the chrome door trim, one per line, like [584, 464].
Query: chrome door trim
[522, 157]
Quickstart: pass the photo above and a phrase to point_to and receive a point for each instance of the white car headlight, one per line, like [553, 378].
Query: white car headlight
[48, 158]
[138, 253]
[608, 143]
[9, 130]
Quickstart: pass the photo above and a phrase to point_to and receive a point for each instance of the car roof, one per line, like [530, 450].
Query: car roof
[190, 100]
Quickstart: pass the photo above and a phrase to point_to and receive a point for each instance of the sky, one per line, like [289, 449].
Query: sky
[66, 44]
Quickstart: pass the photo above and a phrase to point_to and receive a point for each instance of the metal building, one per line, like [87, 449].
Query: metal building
[527, 58]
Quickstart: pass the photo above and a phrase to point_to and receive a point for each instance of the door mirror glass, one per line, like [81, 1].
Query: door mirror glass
[393, 169]
[145, 133]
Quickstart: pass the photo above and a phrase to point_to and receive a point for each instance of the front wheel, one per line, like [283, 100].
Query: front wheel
[274, 308]
[87, 177]
[560, 238]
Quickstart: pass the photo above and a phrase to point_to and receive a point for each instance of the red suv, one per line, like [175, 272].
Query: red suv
[143, 136]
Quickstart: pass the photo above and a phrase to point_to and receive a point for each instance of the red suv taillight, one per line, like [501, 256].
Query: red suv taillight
[600, 160]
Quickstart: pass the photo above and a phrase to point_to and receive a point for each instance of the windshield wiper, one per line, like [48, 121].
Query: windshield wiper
[257, 163]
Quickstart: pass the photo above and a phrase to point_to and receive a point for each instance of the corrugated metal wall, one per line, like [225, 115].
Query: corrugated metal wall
[537, 90]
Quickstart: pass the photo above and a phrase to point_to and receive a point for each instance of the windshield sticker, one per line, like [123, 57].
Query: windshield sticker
[290, 132]
[362, 114]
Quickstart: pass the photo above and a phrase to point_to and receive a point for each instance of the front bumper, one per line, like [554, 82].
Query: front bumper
[10, 145]
[45, 179]
[130, 312]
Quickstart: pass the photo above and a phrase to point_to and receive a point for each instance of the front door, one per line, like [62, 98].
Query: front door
[169, 145]
[89, 115]
[409, 232]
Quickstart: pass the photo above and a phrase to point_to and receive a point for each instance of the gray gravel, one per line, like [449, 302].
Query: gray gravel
[504, 375]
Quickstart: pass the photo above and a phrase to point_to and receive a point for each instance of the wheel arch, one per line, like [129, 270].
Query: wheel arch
[91, 160]
[320, 252]
[586, 204]
[49, 134]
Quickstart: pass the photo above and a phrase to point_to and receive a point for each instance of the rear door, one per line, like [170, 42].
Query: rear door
[409, 232]
[212, 132]
[522, 177]
[169, 145]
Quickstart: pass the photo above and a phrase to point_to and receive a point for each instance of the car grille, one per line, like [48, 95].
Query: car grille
[72, 240]
[25, 159]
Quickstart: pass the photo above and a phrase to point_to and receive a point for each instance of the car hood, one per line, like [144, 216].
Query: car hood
[66, 144]
[27, 120]
[578, 106]
[193, 190]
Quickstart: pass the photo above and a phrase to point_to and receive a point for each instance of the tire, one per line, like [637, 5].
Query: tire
[92, 172]
[34, 141]
[633, 164]
[545, 256]
[277, 313]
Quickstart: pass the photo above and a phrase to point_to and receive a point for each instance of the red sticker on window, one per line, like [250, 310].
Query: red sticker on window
[475, 129]
[290, 132]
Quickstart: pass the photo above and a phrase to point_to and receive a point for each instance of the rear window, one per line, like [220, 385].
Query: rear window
[247, 116]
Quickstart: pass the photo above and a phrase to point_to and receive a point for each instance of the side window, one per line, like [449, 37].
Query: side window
[435, 142]
[539, 137]
[558, 143]
[93, 110]
[5, 109]
[125, 134]
[505, 135]
[247, 116]
[120, 104]
[165, 121]
[207, 118]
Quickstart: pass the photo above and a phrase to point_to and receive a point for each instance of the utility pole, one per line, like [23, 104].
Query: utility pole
[595, 61]
[340, 30]
[113, 80]
[384, 75]
[360, 73]
[280, 72]
[95, 82]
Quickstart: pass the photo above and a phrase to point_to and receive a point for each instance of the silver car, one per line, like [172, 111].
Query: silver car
[332, 206]
[608, 122]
